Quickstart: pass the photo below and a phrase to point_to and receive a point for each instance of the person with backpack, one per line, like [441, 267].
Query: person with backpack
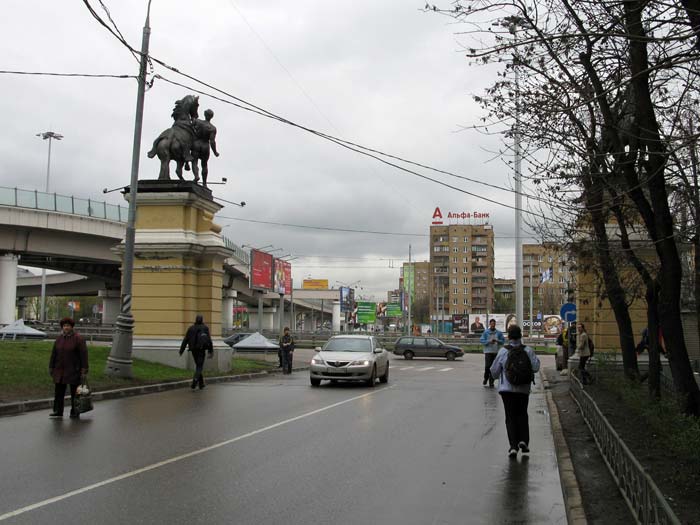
[198, 339]
[492, 339]
[585, 351]
[287, 349]
[515, 366]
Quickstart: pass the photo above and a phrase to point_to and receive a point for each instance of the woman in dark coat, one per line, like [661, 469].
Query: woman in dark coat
[69, 362]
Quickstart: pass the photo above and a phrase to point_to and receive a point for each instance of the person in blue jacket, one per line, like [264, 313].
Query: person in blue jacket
[515, 397]
[492, 340]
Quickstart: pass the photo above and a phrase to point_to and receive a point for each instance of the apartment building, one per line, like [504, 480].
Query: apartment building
[462, 264]
[416, 277]
[546, 269]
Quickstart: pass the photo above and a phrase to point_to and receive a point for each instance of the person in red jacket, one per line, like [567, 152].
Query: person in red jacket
[67, 366]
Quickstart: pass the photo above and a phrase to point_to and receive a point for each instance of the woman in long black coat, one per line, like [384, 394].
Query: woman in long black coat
[68, 363]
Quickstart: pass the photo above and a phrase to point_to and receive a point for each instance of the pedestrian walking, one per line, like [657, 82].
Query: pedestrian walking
[198, 341]
[287, 349]
[68, 367]
[515, 366]
[584, 353]
[493, 340]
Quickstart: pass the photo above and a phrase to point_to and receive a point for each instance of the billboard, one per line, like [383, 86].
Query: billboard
[500, 321]
[283, 277]
[460, 324]
[366, 312]
[315, 284]
[394, 310]
[347, 298]
[261, 269]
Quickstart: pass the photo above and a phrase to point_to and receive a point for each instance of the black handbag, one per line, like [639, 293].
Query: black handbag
[84, 397]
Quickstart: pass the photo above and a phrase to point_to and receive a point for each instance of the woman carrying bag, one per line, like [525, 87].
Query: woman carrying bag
[68, 366]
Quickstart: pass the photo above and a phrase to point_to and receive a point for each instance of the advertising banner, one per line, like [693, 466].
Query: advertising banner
[261, 269]
[460, 323]
[552, 325]
[283, 277]
[347, 298]
[500, 321]
[393, 310]
[366, 312]
[409, 283]
[315, 284]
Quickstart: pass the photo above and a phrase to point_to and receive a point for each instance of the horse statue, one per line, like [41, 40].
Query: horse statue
[176, 143]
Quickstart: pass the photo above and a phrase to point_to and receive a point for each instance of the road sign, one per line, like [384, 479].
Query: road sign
[539, 316]
[568, 312]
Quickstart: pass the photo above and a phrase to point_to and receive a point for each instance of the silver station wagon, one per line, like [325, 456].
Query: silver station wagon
[350, 358]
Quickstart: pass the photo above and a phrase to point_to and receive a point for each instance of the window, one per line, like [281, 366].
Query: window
[550, 258]
[454, 302]
[466, 239]
[465, 249]
[465, 280]
[539, 259]
[436, 248]
[454, 260]
[465, 270]
[455, 290]
[455, 239]
[454, 270]
[466, 290]
[466, 302]
[454, 280]
[455, 249]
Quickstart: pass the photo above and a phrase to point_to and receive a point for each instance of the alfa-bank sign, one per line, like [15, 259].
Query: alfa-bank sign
[456, 215]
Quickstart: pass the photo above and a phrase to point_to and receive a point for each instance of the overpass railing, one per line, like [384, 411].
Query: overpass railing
[39, 200]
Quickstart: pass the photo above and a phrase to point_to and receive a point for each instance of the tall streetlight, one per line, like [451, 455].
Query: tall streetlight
[512, 23]
[50, 136]
[119, 361]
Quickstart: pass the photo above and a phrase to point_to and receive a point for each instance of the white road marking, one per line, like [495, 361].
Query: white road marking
[406, 367]
[175, 459]
[445, 369]
[425, 368]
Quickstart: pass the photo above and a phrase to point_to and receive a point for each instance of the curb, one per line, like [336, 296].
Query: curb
[19, 407]
[575, 514]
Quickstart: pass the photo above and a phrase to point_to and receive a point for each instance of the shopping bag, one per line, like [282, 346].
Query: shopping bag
[84, 397]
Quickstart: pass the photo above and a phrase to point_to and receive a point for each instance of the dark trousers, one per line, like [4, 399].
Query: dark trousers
[198, 377]
[585, 376]
[287, 356]
[60, 394]
[517, 423]
[488, 361]
[279, 356]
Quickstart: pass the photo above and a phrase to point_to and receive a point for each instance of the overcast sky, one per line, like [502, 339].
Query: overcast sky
[382, 74]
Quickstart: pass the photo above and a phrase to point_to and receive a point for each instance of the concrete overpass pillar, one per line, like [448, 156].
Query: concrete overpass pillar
[335, 323]
[8, 287]
[111, 303]
[227, 309]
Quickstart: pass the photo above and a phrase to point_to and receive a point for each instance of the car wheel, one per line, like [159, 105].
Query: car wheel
[385, 377]
[450, 356]
[408, 355]
[372, 377]
[315, 382]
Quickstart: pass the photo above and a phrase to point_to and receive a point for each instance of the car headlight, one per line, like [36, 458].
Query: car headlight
[364, 362]
[317, 361]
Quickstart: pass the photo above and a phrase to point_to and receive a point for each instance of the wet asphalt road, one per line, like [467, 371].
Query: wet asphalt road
[428, 448]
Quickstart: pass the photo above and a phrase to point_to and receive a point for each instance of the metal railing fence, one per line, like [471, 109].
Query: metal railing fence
[39, 200]
[643, 497]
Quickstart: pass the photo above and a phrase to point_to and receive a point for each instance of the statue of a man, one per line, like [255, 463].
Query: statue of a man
[205, 137]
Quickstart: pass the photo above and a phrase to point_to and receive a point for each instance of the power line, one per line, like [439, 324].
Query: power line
[50, 74]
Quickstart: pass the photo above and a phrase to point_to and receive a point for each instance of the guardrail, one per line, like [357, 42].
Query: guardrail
[39, 200]
[643, 497]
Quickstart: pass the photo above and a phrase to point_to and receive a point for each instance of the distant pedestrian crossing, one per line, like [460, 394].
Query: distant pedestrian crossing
[425, 368]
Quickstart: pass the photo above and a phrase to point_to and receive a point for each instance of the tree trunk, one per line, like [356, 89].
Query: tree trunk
[653, 336]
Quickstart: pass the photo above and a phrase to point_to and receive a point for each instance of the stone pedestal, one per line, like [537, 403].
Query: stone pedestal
[178, 272]
[8, 288]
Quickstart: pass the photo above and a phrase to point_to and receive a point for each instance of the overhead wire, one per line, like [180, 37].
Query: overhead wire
[51, 74]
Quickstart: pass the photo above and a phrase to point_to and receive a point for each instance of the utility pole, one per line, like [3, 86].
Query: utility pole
[532, 323]
[47, 135]
[119, 361]
[412, 273]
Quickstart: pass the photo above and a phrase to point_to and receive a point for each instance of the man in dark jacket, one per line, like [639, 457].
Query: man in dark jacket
[287, 349]
[67, 366]
[198, 339]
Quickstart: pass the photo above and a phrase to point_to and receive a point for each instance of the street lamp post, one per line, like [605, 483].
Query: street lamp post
[119, 361]
[50, 136]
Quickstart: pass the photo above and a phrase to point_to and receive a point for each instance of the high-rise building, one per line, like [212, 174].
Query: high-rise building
[393, 296]
[546, 268]
[416, 275]
[462, 278]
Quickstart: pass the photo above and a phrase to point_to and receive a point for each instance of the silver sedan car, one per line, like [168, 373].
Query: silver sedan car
[350, 358]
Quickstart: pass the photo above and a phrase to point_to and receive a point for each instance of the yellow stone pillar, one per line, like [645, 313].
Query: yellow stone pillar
[178, 272]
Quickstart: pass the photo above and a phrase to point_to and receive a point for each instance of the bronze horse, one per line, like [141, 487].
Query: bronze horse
[176, 143]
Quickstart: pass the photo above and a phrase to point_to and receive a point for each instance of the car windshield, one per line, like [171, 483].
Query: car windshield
[347, 344]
